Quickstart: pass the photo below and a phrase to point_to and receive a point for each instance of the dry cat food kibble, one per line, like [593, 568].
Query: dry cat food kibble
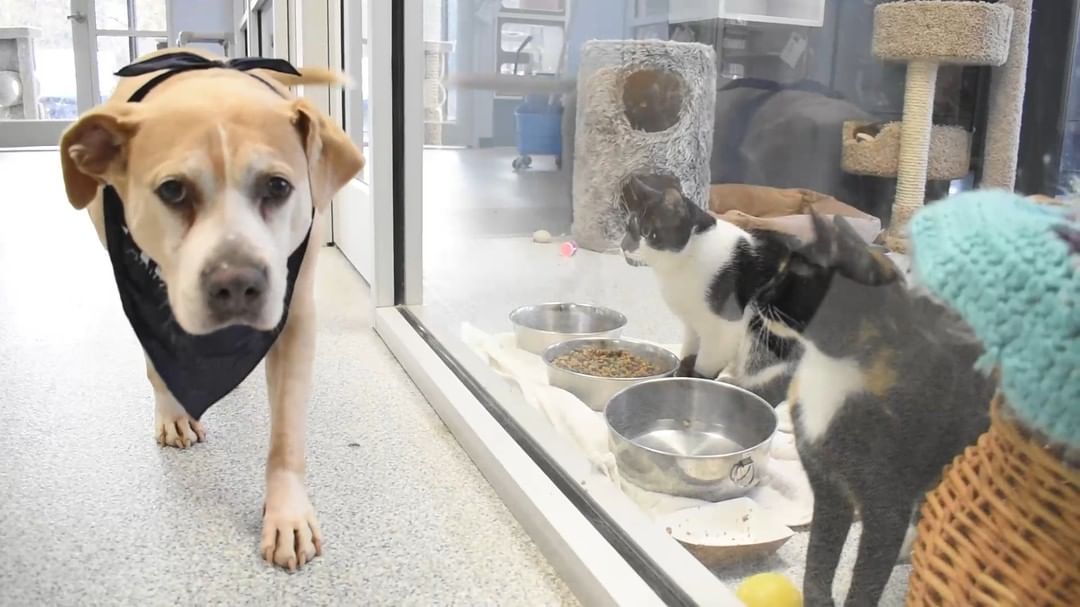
[605, 362]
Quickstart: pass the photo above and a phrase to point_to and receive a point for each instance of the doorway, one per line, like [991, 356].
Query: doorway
[57, 59]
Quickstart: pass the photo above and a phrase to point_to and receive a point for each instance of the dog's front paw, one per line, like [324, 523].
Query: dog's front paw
[173, 427]
[290, 536]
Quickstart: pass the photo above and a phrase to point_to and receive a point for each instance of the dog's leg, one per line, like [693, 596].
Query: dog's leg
[173, 427]
[290, 536]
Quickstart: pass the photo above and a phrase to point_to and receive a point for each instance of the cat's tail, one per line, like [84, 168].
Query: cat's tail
[312, 75]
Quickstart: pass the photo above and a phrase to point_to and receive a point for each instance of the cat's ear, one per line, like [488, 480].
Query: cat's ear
[845, 233]
[823, 248]
[858, 260]
[639, 195]
[673, 201]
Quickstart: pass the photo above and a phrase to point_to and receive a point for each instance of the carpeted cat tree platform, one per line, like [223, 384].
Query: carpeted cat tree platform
[643, 106]
[925, 34]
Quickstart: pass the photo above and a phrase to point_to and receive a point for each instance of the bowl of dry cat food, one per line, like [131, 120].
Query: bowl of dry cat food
[595, 369]
[536, 328]
[691, 437]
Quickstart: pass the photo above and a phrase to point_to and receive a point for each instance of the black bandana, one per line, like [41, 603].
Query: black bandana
[197, 369]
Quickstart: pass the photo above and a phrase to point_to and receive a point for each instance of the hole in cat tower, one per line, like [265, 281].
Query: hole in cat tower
[653, 99]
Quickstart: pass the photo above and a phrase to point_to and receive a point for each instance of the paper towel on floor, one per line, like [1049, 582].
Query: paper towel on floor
[786, 495]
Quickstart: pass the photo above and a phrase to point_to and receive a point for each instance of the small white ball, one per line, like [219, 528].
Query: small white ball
[542, 236]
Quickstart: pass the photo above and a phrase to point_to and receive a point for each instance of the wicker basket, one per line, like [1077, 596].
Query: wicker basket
[1002, 528]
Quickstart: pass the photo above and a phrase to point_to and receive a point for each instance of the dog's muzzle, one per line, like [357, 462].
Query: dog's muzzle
[235, 287]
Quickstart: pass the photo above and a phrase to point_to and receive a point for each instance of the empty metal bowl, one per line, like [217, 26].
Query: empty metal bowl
[538, 327]
[690, 437]
[595, 390]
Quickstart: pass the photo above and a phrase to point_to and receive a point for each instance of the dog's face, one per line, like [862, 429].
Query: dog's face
[218, 189]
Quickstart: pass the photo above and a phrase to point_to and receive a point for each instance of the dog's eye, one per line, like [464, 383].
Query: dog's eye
[172, 192]
[276, 189]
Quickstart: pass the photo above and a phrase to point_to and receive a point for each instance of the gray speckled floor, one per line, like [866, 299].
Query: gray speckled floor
[92, 511]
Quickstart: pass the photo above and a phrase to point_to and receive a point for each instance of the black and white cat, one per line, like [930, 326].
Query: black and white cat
[708, 271]
[884, 396]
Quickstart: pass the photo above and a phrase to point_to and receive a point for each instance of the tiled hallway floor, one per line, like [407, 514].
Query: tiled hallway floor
[92, 511]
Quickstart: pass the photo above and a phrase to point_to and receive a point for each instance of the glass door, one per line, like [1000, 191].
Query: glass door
[57, 58]
[39, 87]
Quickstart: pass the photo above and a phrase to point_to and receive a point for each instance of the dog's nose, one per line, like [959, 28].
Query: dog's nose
[235, 288]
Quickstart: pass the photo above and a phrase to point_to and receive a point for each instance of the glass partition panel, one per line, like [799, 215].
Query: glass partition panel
[679, 232]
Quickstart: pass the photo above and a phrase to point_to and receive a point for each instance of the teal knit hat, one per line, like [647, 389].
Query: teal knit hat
[1009, 267]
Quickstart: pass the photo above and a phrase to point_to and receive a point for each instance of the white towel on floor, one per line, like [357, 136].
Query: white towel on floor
[786, 494]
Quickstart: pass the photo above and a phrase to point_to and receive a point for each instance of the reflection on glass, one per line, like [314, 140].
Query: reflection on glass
[46, 92]
[534, 5]
[529, 48]
[365, 83]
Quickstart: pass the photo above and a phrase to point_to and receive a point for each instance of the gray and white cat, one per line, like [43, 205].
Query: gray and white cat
[708, 271]
[884, 396]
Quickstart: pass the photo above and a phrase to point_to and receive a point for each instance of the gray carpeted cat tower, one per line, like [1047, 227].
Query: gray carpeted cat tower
[925, 34]
[643, 106]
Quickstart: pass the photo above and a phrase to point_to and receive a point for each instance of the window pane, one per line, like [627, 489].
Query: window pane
[144, 45]
[150, 15]
[111, 14]
[43, 88]
[113, 53]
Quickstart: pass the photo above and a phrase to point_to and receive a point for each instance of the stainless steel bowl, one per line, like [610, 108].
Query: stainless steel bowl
[690, 437]
[539, 327]
[594, 390]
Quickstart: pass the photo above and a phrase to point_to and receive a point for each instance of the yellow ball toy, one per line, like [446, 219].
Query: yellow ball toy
[769, 590]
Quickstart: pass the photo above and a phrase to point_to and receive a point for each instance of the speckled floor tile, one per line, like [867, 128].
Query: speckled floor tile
[93, 512]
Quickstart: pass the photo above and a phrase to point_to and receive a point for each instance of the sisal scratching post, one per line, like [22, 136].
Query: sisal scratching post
[925, 34]
[879, 155]
[1007, 104]
[914, 150]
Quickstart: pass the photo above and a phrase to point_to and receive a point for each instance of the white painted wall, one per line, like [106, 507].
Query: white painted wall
[313, 46]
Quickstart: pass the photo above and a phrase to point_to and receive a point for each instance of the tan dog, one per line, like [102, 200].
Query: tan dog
[219, 174]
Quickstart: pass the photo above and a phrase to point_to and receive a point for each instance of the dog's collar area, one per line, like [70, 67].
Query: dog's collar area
[171, 64]
[198, 370]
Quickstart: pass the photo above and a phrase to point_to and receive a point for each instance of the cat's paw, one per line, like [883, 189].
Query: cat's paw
[686, 366]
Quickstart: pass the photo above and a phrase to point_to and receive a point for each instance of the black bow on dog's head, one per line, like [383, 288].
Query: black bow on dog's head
[184, 61]
[171, 64]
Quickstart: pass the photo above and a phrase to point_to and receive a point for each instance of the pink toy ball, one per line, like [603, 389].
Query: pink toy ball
[568, 248]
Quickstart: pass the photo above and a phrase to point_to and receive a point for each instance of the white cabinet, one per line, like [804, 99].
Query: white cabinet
[810, 13]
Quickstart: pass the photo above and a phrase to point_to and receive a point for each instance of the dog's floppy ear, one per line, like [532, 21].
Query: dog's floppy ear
[95, 147]
[333, 159]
